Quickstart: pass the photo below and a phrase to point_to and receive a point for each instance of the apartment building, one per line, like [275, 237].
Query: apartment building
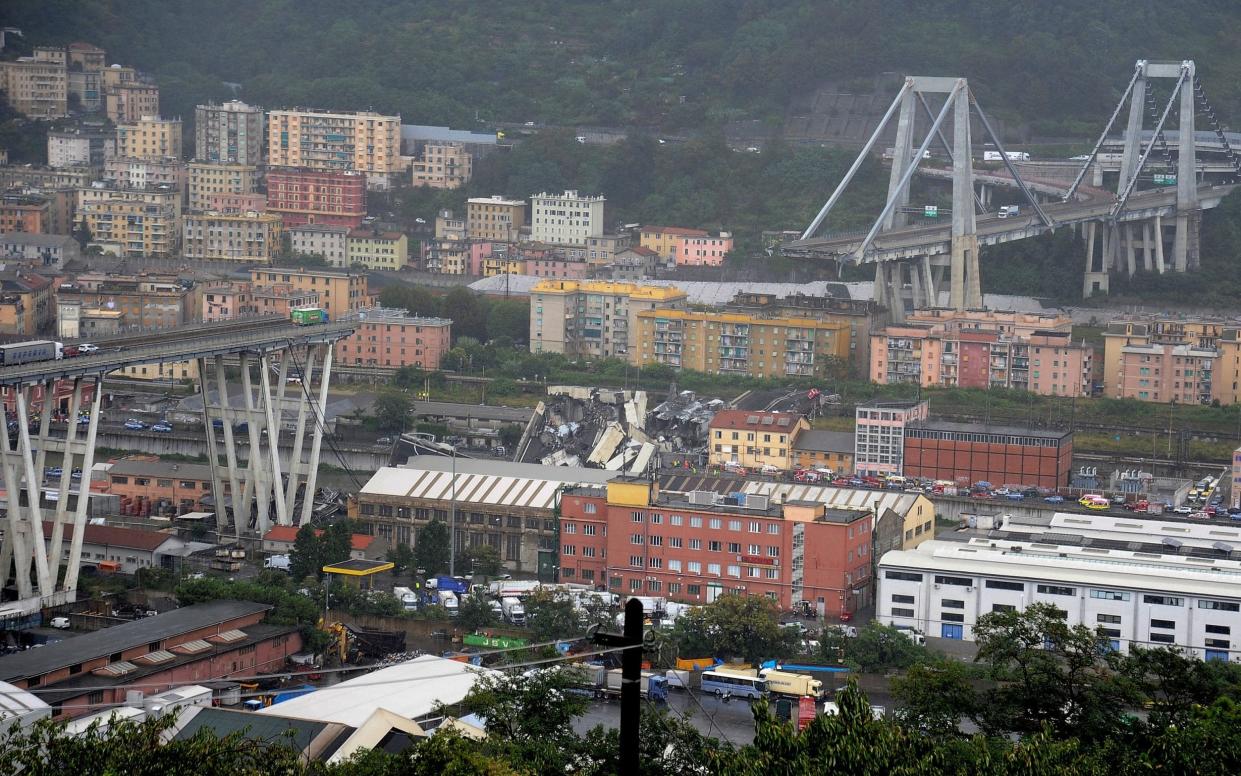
[149, 137]
[137, 173]
[85, 75]
[27, 303]
[129, 101]
[762, 441]
[236, 203]
[37, 86]
[207, 180]
[818, 449]
[81, 146]
[879, 431]
[340, 293]
[664, 239]
[442, 165]
[736, 343]
[1163, 359]
[45, 178]
[1003, 455]
[131, 222]
[686, 247]
[603, 249]
[565, 219]
[860, 314]
[375, 249]
[984, 349]
[146, 301]
[224, 300]
[593, 318]
[392, 338]
[46, 250]
[694, 547]
[243, 237]
[495, 218]
[326, 240]
[30, 213]
[231, 133]
[304, 196]
[364, 142]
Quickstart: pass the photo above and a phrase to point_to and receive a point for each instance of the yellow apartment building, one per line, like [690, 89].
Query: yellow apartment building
[364, 141]
[443, 165]
[494, 218]
[246, 237]
[38, 86]
[378, 250]
[340, 293]
[132, 222]
[594, 318]
[150, 137]
[207, 179]
[734, 343]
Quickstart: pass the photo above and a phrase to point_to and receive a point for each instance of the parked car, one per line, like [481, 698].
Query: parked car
[162, 428]
[1055, 499]
[60, 622]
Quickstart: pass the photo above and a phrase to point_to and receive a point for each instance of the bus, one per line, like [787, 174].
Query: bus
[735, 684]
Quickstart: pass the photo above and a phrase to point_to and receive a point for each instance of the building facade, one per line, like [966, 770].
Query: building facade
[815, 449]
[229, 133]
[243, 237]
[302, 196]
[374, 249]
[130, 101]
[81, 146]
[145, 301]
[326, 240]
[762, 441]
[131, 222]
[665, 239]
[149, 137]
[134, 173]
[392, 338]
[495, 218]
[340, 293]
[1001, 455]
[37, 86]
[364, 142]
[738, 343]
[29, 213]
[565, 219]
[1147, 357]
[442, 165]
[879, 431]
[594, 318]
[208, 180]
[696, 547]
[1148, 599]
[27, 303]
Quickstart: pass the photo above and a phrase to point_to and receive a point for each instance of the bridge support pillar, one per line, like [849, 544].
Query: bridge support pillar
[1095, 279]
[1160, 265]
[1131, 257]
[22, 460]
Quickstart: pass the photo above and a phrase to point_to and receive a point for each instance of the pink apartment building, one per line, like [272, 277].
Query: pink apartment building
[702, 250]
[478, 252]
[388, 337]
[1165, 373]
[229, 299]
[983, 349]
[552, 266]
[237, 203]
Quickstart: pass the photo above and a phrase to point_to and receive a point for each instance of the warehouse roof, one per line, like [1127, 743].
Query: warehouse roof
[411, 690]
[168, 469]
[839, 498]
[481, 482]
[824, 441]
[974, 428]
[113, 536]
[35, 662]
[452, 409]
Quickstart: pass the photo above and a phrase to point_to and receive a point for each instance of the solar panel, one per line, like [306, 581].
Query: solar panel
[768, 420]
[156, 657]
[752, 419]
[784, 421]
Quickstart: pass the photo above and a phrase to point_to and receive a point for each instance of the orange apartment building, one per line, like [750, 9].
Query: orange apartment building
[393, 338]
[27, 213]
[983, 349]
[1162, 359]
[754, 440]
[340, 293]
[633, 539]
[27, 303]
[181, 484]
[225, 300]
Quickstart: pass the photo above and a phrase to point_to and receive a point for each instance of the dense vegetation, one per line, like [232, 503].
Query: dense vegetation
[1055, 64]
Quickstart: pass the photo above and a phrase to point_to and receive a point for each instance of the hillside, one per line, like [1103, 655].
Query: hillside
[669, 64]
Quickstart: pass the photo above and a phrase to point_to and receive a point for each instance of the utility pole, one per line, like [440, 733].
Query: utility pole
[452, 520]
[631, 683]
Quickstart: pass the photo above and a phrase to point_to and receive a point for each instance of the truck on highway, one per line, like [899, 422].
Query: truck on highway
[791, 685]
[448, 600]
[514, 612]
[407, 597]
[653, 686]
[1013, 156]
[307, 316]
[16, 353]
[1009, 210]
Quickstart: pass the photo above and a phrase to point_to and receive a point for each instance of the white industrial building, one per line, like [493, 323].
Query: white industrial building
[1137, 596]
[565, 219]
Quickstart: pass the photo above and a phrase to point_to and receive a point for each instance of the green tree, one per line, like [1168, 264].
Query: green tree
[482, 560]
[935, 696]
[431, 548]
[401, 557]
[392, 410]
[510, 436]
[474, 612]
[734, 625]
[876, 648]
[306, 557]
[550, 616]
[336, 542]
[509, 318]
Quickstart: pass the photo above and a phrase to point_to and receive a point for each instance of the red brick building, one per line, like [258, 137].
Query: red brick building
[301, 196]
[694, 547]
[203, 642]
[1001, 455]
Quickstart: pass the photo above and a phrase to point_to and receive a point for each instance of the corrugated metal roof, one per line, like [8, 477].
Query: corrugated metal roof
[481, 482]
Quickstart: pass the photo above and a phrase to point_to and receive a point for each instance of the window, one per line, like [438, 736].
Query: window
[997, 584]
[755, 527]
[676, 520]
[1163, 600]
[569, 528]
[674, 565]
[952, 604]
[1111, 632]
[951, 617]
[569, 549]
[635, 585]
[958, 581]
[714, 546]
[734, 547]
[1222, 630]
[693, 589]
[1109, 595]
[908, 576]
[695, 544]
[713, 568]
[695, 522]
[1056, 590]
[590, 508]
[694, 567]
[636, 539]
[1003, 608]
[657, 541]
[1111, 619]
[1219, 606]
[1165, 624]
[715, 523]
[657, 519]
[734, 525]
[588, 529]
[902, 599]
[902, 612]
[636, 517]
[773, 529]
[734, 571]
[675, 542]
[636, 561]
[1218, 643]
[655, 563]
